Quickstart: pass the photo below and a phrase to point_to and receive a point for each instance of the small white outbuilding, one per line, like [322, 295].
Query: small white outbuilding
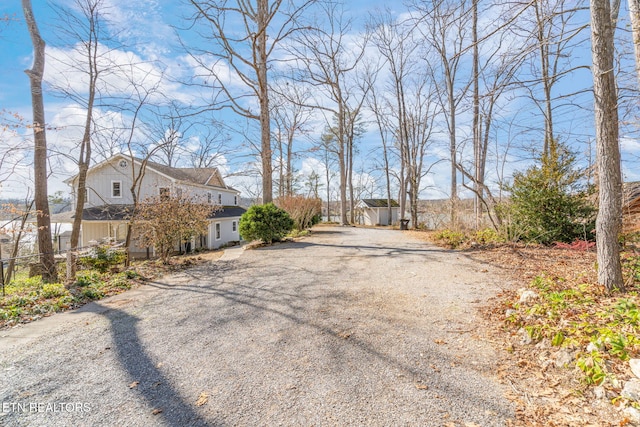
[376, 211]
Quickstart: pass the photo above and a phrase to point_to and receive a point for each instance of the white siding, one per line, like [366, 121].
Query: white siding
[226, 232]
[100, 179]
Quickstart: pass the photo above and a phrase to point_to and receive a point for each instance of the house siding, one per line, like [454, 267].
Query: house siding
[226, 232]
[99, 184]
[100, 179]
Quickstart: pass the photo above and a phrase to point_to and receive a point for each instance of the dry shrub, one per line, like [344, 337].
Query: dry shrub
[305, 211]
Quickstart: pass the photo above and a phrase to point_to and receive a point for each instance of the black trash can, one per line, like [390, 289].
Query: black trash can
[404, 224]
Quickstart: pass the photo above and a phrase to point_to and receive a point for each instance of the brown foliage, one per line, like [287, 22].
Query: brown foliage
[301, 209]
[165, 222]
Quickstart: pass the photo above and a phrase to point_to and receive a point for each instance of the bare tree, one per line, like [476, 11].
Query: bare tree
[395, 44]
[609, 219]
[328, 62]
[444, 25]
[385, 129]
[19, 215]
[552, 29]
[45, 244]
[211, 146]
[634, 15]
[290, 116]
[245, 35]
[83, 27]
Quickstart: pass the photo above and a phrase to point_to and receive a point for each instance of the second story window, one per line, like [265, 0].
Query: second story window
[209, 198]
[235, 200]
[116, 189]
[219, 198]
[164, 193]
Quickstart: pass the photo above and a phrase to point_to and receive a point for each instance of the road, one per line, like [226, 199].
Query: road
[350, 326]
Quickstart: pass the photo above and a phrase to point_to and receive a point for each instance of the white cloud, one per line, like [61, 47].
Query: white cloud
[122, 74]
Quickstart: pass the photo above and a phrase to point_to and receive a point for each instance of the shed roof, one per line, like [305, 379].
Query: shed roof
[379, 203]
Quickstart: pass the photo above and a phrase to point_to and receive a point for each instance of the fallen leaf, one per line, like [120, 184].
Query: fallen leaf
[438, 341]
[344, 335]
[156, 411]
[134, 384]
[421, 386]
[202, 399]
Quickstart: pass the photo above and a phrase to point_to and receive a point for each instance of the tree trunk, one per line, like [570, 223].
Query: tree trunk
[609, 220]
[477, 150]
[265, 119]
[45, 244]
[634, 14]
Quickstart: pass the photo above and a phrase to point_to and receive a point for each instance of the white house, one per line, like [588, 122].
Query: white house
[109, 201]
[376, 211]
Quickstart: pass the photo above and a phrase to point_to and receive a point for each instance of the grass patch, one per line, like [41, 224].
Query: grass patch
[28, 299]
[603, 331]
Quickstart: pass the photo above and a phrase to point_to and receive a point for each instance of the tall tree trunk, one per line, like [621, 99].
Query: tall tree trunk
[342, 167]
[477, 138]
[634, 14]
[452, 153]
[265, 119]
[352, 218]
[45, 244]
[289, 176]
[543, 48]
[609, 220]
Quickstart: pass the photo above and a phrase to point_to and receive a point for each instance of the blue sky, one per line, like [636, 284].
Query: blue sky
[145, 28]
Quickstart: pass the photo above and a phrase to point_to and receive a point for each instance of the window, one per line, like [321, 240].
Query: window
[235, 226]
[219, 198]
[116, 189]
[235, 201]
[209, 198]
[217, 231]
[164, 193]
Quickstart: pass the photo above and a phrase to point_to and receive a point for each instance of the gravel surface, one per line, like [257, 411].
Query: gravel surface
[349, 326]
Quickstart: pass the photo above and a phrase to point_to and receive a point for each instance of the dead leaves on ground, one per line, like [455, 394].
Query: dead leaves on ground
[202, 399]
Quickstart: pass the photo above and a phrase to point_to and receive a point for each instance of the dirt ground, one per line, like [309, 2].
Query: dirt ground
[349, 326]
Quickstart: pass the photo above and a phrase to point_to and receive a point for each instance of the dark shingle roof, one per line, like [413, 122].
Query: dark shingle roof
[379, 203]
[228, 212]
[201, 176]
[107, 213]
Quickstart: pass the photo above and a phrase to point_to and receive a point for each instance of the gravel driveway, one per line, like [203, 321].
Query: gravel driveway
[349, 326]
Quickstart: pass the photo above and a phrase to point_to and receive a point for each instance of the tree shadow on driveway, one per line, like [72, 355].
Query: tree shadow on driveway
[146, 379]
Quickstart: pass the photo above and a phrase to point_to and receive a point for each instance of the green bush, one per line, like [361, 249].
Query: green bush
[103, 257]
[548, 202]
[53, 290]
[265, 222]
[87, 278]
[451, 238]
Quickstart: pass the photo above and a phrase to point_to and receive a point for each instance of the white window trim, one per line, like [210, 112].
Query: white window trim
[216, 227]
[113, 195]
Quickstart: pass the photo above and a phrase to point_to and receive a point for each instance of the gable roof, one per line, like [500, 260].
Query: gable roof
[379, 203]
[200, 176]
[208, 177]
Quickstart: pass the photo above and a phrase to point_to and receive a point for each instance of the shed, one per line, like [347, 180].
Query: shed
[376, 211]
